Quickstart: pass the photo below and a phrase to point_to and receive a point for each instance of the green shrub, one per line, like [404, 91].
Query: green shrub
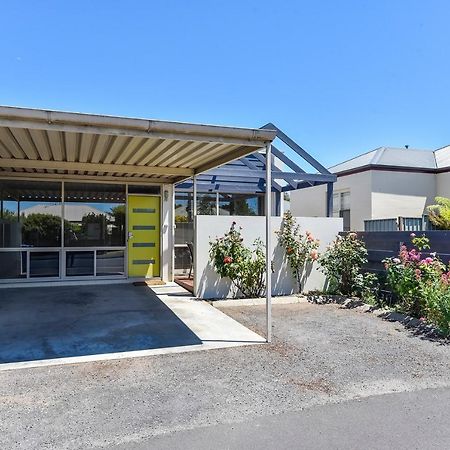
[244, 266]
[437, 303]
[301, 249]
[439, 214]
[409, 272]
[342, 263]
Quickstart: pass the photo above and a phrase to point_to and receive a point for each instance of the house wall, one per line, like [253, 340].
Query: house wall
[311, 202]
[402, 194]
[443, 184]
[209, 285]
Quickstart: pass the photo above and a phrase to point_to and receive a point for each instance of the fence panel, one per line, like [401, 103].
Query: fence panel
[381, 245]
[381, 225]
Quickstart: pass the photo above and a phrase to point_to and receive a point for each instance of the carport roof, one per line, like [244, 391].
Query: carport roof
[36, 143]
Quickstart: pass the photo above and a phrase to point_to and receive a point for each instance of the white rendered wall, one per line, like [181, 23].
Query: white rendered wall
[401, 194]
[209, 285]
[311, 202]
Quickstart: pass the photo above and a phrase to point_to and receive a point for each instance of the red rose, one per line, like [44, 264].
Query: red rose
[227, 260]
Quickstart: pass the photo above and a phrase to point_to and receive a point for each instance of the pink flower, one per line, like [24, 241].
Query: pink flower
[414, 255]
[314, 255]
[310, 237]
[427, 261]
[227, 260]
[352, 235]
[412, 235]
[418, 274]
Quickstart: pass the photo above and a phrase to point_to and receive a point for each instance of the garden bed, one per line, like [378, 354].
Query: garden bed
[418, 326]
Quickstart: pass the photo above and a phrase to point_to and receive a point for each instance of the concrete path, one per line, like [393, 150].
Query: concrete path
[410, 420]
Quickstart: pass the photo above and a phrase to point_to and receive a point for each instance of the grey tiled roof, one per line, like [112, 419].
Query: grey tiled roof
[398, 157]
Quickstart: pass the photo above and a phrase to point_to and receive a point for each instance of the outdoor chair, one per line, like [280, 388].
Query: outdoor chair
[190, 246]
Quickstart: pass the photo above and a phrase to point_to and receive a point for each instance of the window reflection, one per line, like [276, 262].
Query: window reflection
[241, 204]
[94, 215]
[30, 214]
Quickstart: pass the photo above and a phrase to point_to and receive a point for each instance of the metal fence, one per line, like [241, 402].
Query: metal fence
[399, 224]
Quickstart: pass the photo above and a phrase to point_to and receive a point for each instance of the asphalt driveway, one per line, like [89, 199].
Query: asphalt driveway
[321, 355]
[55, 322]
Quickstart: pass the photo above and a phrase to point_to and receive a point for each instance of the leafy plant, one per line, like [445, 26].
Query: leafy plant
[244, 266]
[410, 274]
[342, 263]
[301, 249]
[439, 214]
[437, 303]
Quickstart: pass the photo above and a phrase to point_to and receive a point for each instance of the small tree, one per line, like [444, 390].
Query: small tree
[342, 263]
[244, 266]
[301, 249]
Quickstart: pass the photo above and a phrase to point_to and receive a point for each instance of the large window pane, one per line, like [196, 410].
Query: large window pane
[79, 263]
[110, 262]
[94, 215]
[184, 225]
[44, 264]
[241, 204]
[30, 214]
[207, 204]
[13, 265]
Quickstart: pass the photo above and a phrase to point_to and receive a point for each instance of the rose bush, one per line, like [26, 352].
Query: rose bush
[342, 264]
[421, 283]
[301, 249]
[244, 266]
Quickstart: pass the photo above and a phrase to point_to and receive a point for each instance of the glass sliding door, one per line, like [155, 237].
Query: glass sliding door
[45, 234]
[94, 229]
[30, 229]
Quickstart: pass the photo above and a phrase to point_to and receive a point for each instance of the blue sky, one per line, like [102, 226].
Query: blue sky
[340, 77]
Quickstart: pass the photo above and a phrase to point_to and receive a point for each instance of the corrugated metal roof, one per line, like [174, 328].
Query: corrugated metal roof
[398, 157]
[42, 143]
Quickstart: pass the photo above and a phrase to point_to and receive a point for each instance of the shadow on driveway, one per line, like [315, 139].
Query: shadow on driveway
[57, 322]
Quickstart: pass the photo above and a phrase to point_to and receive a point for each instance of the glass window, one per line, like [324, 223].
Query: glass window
[241, 204]
[13, 265]
[94, 215]
[44, 264]
[341, 207]
[79, 263]
[184, 224]
[207, 204]
[30, 214]
[110, 262]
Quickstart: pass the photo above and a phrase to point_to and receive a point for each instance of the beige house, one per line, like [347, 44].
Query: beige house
[384, 183]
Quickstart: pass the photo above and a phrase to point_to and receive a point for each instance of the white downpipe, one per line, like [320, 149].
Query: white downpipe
[268, 243]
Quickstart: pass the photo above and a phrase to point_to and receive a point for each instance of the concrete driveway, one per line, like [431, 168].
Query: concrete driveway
[299, 387]
[57, 322]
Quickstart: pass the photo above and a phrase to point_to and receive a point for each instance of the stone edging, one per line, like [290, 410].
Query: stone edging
[282, 300]
[418, 326]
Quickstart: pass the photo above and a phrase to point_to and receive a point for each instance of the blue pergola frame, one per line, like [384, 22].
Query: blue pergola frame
[247, 175]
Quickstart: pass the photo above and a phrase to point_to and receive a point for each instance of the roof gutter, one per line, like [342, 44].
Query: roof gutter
[49, 119]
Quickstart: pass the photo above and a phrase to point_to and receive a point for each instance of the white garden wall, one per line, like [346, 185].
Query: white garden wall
[209, 285]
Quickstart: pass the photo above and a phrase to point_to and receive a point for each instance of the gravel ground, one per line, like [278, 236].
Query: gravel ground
[320, 354]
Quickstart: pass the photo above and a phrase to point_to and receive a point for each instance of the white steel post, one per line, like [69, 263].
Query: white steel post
[194, 218]
[268, 243]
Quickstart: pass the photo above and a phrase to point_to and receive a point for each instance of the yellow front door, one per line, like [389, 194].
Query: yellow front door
[143, 236]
